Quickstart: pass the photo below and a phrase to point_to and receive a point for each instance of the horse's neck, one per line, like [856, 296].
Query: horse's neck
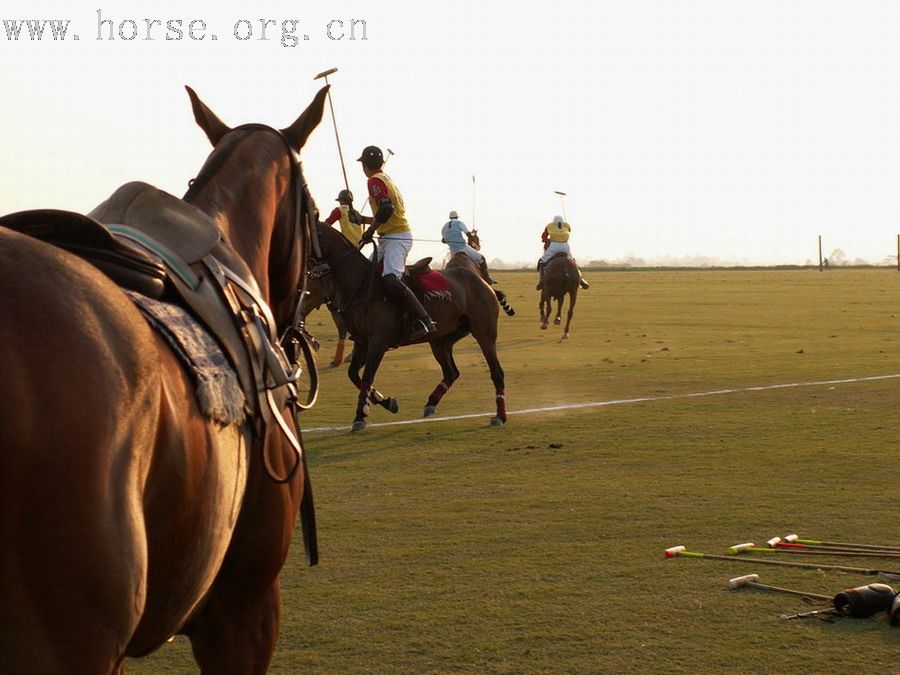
[352, 277]
[251, 230]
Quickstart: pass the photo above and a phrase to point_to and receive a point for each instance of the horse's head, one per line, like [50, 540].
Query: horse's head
[474, 240]
[252, 185]
[335, 250]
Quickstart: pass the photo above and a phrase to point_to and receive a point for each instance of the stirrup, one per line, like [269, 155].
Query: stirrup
[584, 284]
[422, 329]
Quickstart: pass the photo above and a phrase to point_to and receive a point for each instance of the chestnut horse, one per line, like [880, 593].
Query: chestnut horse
[126, 515]
[468, 306]
[560, 279]
[460, 259]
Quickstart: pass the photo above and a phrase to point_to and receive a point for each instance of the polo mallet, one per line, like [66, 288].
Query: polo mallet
[824, 614]
[752, 581]
[750, 547]
[473, 202]
[681, 552]
[324, 74]
[777, 542]
[562, 203]
[794, 539]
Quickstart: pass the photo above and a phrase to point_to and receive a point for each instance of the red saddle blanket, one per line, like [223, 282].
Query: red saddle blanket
[433, 283]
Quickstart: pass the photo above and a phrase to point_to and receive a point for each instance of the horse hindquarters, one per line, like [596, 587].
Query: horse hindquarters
[78, 403]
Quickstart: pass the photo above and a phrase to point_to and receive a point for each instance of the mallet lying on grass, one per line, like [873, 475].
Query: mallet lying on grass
[680, 551]
[779, 543]
[750, 547]
[860, 602]
[794, 539]
[752, 581]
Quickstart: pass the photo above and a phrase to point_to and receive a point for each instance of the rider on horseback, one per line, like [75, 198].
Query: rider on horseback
[452, 234]
[394, 237]
[350, 219]
[556, 240]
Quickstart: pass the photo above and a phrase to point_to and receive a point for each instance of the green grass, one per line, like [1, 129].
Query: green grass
[537, 547]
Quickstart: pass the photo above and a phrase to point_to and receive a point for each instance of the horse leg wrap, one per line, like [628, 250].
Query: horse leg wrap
[338, 353]
[501, 404]
[439, 392]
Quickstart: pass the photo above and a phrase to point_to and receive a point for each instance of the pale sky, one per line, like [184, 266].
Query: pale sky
[733, 130]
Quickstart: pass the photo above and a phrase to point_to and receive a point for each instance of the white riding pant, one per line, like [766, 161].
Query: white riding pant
[474, 255]
[554, 248]
[393, 249]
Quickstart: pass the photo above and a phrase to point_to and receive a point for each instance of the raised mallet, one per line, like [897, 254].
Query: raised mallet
[324, 74]
[562, 203]
[752, 581]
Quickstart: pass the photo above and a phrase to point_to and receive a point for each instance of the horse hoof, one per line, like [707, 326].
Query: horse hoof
[557, 321]
[543, 326]
[430, 410]
[335, 364]
[497, 422]
[358, 425]
[392, 405]
[565, 336]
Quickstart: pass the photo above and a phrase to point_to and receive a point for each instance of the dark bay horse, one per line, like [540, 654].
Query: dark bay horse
[126, 516]
[560, 279]
[314, 298]
[468, 306]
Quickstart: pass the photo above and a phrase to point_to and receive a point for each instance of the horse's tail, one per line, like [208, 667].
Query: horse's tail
[501, 298]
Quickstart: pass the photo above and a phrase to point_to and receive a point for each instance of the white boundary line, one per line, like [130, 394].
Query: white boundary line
[621, 401]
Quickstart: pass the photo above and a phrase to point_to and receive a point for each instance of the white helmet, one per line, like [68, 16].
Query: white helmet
[453, 215]
[557, 219]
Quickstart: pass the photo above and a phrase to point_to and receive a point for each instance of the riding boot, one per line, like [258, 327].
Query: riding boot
[484, 272]
[397, 291]
[540, 283]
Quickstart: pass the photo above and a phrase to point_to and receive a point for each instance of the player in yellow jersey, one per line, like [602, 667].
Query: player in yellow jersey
[349, 218]
[394, 239]
[556, 240]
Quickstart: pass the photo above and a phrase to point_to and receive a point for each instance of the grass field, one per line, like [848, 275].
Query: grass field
[452, 546]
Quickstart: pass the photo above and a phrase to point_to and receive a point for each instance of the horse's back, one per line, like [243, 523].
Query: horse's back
[561, 277]
[78, 398]
[118, 499]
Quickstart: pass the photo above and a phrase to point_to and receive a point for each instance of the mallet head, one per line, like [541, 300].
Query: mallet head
[674, 551]
[740, 548]
[773, 542]
[740, 582]
[325, 73]
[791, 537]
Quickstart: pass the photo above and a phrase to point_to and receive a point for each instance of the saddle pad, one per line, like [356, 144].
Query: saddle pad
[218, 390]
[434, 285]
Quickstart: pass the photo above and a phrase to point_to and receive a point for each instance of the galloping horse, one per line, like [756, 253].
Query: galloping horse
[467, 305]
[460, 259]
[126, 516]
[560, 278]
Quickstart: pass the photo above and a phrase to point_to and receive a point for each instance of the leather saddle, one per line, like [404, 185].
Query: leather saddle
[149, 241]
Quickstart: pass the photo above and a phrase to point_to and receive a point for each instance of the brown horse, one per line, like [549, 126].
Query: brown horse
[560, 278]
[313, 299]
[460, 259]
[126, 515]
[467, 306]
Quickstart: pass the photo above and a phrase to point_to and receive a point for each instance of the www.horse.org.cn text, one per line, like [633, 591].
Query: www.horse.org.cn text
[106, 28]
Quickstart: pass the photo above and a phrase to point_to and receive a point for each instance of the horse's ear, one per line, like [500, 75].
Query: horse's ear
[302, 127]
[212, 126]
